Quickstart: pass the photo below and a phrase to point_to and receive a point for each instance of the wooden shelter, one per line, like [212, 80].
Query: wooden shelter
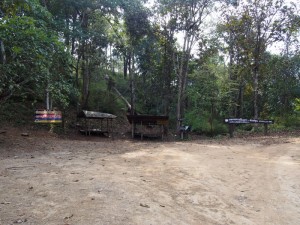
[144, 125]
[96, 122]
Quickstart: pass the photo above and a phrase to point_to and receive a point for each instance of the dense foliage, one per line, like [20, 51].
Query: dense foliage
[201, 60]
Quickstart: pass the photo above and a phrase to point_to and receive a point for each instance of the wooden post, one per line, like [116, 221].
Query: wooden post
[47, 99]
[85, 126]
[142, 136]
[231, 129]
[107, 126]
[180, 129]
[266, 128]
[132, 129]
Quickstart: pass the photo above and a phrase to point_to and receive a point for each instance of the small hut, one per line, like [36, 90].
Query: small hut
[96, 123]
[140, 123]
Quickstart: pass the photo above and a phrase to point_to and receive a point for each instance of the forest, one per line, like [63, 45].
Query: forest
[197, 60]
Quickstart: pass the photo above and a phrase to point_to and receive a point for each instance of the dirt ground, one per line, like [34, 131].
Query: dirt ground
[46, 179]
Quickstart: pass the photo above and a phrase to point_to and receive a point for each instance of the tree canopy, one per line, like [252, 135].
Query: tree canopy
[201, 60]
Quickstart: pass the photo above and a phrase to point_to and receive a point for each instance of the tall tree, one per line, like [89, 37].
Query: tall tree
[188, 17]
[137, 27]
[167, 46]
[31, 52]
[255, 25]
[84, 26]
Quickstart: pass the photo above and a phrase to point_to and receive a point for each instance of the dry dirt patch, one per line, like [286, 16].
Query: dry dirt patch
[48, 180]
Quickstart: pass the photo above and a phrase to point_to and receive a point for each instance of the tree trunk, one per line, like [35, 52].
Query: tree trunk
[67, 32]
[255, 87]
[85, 82]
[85, 70]
[182, 78]
[257, 58]
[74, 18]
[111, 86]
[241, 101]
[168, 79]
[2, 53]
[125, 66]
[180, 86]
[232, 106]
[132, 83]
[132, 90]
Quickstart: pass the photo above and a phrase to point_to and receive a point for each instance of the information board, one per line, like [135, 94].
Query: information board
[44, 116]
[245, 121]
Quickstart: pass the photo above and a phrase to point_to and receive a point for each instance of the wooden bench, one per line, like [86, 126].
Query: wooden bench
[232, 122]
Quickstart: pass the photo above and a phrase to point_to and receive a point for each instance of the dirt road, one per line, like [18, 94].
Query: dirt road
[53, 181]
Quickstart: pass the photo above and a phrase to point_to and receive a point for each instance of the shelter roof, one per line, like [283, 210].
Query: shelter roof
[95, 115]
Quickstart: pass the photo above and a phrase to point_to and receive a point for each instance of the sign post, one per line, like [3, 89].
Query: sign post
[233, 121]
